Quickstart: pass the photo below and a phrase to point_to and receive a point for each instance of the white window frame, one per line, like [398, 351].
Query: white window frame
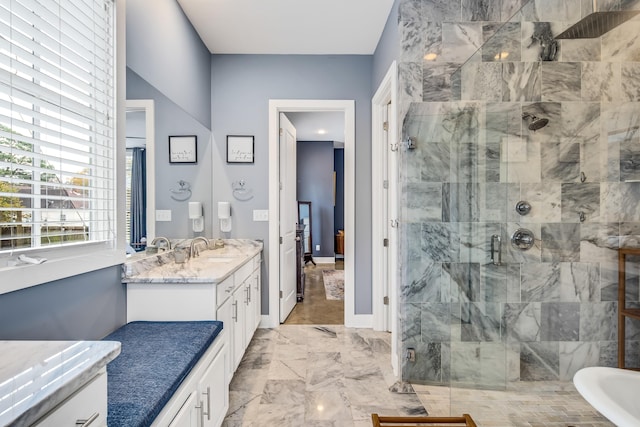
[72, 260]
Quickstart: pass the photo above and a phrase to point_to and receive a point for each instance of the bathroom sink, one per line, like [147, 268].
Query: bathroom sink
[612, 392]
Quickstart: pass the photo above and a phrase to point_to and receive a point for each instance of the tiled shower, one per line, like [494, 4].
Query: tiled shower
[472, 73]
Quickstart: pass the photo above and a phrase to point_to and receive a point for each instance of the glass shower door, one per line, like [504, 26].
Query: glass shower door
[456, 221]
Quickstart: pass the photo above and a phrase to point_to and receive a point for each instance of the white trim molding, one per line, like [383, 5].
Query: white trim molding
[384, 318]
[277, 106]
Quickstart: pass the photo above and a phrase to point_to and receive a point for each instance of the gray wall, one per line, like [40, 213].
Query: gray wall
[241, 88]
[170, 119]
[88, 306]
[315, 185]
[388, 49]
[165, 50]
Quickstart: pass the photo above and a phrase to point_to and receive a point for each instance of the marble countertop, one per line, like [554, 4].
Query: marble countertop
[35, 376]
[211, 266]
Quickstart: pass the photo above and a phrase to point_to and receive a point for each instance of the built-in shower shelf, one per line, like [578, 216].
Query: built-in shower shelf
[623, 311]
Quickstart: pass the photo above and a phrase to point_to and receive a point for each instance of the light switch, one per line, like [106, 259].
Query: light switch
[261, 215]
[163, 215]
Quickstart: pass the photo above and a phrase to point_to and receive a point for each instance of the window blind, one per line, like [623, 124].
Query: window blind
[57, 127]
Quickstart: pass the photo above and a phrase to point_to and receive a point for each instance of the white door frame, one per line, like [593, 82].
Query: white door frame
[386, 93]
[277, 106]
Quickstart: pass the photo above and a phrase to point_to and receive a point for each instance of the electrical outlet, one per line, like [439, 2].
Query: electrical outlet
[317, 247]
[260, 215]
[163, 215]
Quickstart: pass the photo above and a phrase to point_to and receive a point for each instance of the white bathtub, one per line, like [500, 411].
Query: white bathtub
[614, 392]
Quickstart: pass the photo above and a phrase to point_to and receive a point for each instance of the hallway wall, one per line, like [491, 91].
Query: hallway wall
[241, 88]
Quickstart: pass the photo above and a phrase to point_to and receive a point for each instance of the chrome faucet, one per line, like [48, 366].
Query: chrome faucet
[161, 239]
[193, 249]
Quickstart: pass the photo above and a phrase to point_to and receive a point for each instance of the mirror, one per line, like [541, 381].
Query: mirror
[140, 134]
[304, 219]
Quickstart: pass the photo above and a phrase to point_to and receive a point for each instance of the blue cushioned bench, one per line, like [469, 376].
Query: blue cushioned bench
[155, 359]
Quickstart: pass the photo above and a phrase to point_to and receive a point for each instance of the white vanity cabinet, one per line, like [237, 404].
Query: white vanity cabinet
[239, 309]
[202, 400]
[256, 291]
[252, 300]
[188, 414]
[214, 405]
[87, 406]
[205, 404]
[235, 300]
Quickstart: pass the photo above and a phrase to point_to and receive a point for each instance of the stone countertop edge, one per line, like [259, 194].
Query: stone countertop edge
[37, 361]
[161, 268]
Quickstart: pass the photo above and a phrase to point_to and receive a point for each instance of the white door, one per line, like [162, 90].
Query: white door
[288, 217]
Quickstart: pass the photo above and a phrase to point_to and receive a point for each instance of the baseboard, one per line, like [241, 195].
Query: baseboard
[359, 321]
[324, 260]
[266, 322]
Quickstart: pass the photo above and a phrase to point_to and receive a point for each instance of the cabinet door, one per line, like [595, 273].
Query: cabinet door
[88, 403]
[238, 315]
[225, 314]
[256, 297]
[188, 414]
[250, 312]
[214, 390]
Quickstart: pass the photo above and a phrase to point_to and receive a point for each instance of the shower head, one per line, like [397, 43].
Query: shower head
[536, 122]
[596, 24]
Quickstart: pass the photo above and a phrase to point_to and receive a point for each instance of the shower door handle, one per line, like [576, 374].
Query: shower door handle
[496, 249]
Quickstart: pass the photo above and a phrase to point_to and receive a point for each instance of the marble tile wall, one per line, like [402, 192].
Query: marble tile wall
[469, 71]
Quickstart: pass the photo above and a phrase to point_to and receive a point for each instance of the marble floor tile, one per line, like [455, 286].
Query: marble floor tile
[294, 384]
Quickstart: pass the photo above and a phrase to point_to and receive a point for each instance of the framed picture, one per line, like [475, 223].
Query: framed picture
[183, 149]
[239, 149]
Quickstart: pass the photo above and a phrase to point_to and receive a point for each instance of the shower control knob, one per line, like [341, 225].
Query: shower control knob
[522, 239]
[523, 207]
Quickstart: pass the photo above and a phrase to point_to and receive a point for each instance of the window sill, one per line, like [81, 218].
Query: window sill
[23, 276]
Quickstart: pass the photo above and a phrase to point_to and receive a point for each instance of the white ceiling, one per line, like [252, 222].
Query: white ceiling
[289, 27]
[292, 27]
[318, 126]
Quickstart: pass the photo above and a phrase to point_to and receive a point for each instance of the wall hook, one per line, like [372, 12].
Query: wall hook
[183, 193]
[240, 192]
[583, 177]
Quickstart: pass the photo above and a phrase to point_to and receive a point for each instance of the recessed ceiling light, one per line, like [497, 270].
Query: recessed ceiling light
[322, 131]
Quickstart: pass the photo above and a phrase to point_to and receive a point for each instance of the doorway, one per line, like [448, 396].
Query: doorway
[319, 192]
[347, 107]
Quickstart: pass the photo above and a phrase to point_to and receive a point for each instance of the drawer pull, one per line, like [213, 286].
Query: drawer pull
[235, 317]
[88, 421]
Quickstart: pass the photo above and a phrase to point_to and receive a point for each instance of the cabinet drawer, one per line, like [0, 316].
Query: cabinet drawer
[224, 290]
[243, 272]
[84, 404]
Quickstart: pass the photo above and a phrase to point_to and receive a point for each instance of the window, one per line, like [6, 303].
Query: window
[57, 125]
